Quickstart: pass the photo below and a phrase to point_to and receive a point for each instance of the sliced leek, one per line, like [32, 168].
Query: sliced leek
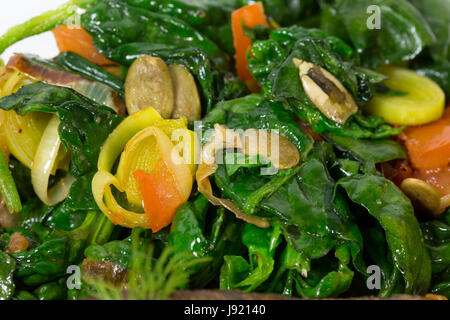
[41, 70]
[140, 141]
[140, 154]
[44, 163]
[34, 140]
[10, 82]
[101, 189]
[100, 93]
[117, 140]
[3, 142]
[419, 99]
[14, 80]
[23, 134]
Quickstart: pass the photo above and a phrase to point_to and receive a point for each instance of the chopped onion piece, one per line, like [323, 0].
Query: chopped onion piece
[99, 92]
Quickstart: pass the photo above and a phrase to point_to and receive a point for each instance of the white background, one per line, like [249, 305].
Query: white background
[13, 12]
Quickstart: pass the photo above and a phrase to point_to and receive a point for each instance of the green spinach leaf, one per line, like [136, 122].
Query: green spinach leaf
[7, 268]
[197, 13]
[437, 14]
[113, 23]
[403, 32]
[438, 72]
[237, 273]
[288, 12]
[393, 210]
[437, 239]
[190, 234]
[376, 151]
[75, 63]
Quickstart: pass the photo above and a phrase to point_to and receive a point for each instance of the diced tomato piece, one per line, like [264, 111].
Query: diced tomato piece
[250, 16]
[160, 196]
[429, 145]
[79, 41]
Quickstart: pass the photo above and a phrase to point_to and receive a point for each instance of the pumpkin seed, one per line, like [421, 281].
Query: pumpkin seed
[281, 152]
[187, 99]
[285, 155]
[326, 92]
[149, 84]
[425, 196]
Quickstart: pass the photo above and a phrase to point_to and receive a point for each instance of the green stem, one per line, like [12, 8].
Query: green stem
[8, 187]
[103, 231]
[42, 23]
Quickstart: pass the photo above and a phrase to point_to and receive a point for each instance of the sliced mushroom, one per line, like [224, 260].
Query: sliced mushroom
[223, 138]
[104, 270]
[326, 92]
[149, 84]
[187, 99]
[424, 196]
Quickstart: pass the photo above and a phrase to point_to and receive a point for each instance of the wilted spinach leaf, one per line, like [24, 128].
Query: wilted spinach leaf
[437, 240]
[438, 72]
[315, 219]
[117, 251]
[197, 13]
[437, 14]
[403, 32]
[359, 126]
[393, 210]
[237, 273]
[322, 283]
[7, 268]
[190, 233]
[55, 290]
[89, 70]
[288, 12]
[376, 151]
[113, 23]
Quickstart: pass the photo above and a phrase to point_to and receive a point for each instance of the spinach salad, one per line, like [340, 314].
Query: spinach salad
[267, 147]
